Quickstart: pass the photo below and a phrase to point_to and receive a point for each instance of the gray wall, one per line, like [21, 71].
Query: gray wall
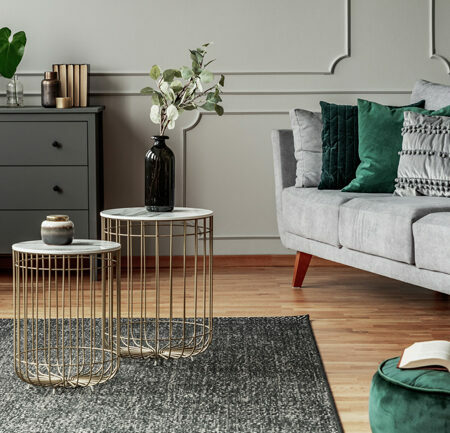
[276, 55]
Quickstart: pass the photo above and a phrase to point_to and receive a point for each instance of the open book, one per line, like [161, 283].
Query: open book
[427, 354]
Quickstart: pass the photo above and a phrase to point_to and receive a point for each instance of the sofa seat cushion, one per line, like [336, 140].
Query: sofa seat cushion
[382, 226]
[313, 213]
[432, 242]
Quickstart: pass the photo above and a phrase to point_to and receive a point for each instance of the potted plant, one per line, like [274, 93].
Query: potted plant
[176, 91]
[11, 53]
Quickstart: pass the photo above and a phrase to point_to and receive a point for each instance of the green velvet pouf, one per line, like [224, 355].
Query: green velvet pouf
[409, 401]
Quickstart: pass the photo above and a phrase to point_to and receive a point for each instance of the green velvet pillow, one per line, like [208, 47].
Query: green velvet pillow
[380, 140]
[340, 157]
[339, 145]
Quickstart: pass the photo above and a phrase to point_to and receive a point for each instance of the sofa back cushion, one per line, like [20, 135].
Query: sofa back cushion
[436, 95]
[307, 130]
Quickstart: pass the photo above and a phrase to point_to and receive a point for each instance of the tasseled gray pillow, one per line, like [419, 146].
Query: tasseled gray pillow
[424, 167]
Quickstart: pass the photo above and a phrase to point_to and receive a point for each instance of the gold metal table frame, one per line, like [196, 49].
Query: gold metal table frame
[66, 312]
[167, 303]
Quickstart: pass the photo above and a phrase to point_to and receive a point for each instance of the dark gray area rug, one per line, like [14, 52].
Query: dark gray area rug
[259, 375]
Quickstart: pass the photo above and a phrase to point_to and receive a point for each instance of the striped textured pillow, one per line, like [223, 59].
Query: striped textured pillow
[424, 167]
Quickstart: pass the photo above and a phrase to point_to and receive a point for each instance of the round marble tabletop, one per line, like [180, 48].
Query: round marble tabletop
[78, 246]
[142, 214]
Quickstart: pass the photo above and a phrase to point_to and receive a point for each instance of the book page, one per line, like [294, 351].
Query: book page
[426, 350]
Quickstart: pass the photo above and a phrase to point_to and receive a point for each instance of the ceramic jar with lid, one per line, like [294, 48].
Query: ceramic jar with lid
[57, 230]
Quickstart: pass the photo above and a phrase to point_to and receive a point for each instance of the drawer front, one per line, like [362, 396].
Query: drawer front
[19, 226]
[43, 143]
[43, 188]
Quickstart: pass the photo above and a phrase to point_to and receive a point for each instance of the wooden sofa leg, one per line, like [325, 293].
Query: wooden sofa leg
[301, 266]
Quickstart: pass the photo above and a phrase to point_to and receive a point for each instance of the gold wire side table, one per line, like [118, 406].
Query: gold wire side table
[167, 308]
[66, 312]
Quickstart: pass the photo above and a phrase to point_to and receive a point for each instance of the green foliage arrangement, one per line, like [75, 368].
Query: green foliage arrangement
[183, 89]
[11, 51]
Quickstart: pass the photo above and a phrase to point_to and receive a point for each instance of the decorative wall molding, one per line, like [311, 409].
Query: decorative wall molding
[190, 127]
[261, 92]
[329, 71]
[433, 53]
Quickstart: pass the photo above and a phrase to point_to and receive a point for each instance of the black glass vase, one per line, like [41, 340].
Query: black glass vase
[159, 176]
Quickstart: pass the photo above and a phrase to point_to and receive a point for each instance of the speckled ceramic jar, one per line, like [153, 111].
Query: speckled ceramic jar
[57, 230]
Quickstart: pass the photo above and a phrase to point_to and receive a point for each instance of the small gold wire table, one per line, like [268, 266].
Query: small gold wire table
[168, 308]
[66, 312]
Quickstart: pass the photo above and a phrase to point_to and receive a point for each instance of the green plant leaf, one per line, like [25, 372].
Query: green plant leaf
[170, 74]
[11, 53]
[207, 44]
[213, 97]
[196, 68]
[218, 109]
[176, 85]
[155, 72]
[190, 107]
[208, 106]
[222, 80]
[186, 72]
[147, 91]
[206, 76]
[156, 98]
[196, 56]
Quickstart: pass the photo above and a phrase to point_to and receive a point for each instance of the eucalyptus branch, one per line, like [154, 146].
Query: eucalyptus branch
[178, 90]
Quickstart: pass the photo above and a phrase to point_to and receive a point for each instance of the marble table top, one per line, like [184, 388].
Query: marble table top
[78, 246]
[142, 214]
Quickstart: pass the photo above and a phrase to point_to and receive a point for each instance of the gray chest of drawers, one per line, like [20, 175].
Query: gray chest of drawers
[51, 162]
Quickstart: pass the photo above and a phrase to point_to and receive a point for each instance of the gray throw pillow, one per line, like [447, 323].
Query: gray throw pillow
[436, 95]
[424, 167]
[307, 130]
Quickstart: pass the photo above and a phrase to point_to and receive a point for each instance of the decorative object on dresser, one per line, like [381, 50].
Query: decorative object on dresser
[50, 88]
[50, 163]
[63, 102]
[424, 167]
[74, 81]
[177, 90]
[11, 53]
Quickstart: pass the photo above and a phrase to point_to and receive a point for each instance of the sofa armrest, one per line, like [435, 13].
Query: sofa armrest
[285, 167]
[283, 158]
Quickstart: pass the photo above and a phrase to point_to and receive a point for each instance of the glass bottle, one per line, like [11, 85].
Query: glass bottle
[14, 93]
[160, 176]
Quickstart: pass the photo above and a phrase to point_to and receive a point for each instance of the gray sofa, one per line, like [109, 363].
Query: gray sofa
[405, 238]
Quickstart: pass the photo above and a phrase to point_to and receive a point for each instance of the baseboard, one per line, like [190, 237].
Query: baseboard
[224, 261]
[221, 261]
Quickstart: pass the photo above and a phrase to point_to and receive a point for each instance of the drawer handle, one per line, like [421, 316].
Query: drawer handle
[56, 145]
[57, 188]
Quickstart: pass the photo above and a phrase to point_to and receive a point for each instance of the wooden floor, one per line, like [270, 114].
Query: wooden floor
[359, 319]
